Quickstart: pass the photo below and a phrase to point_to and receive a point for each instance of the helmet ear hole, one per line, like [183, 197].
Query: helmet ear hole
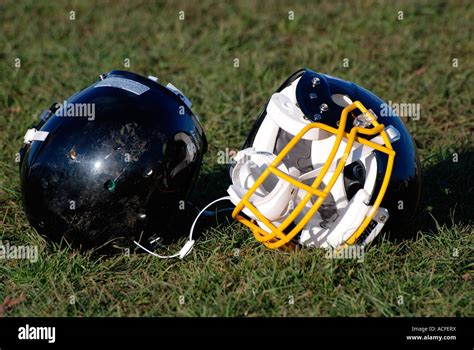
[354, 178]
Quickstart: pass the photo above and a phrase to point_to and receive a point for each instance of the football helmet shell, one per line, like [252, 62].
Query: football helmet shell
[119, 174]
[325, 165]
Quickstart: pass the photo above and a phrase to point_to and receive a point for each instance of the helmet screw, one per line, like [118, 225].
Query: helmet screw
[358, 171]
[382, 218]
[315, 81]
[72, 154]
[324, 107]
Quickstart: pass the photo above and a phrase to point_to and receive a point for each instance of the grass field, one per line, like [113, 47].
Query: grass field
[424, 58]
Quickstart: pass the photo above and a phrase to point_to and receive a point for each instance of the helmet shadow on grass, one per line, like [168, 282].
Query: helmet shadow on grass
[446, 200]
[447, 193]
[447, 197]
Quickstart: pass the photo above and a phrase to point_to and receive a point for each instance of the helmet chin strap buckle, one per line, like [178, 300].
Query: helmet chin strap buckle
[186, 249]
[188, 246]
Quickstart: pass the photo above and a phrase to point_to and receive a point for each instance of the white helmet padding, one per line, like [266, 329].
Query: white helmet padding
[289, 117]
[349, 219]
[273, 196]
[283, 113]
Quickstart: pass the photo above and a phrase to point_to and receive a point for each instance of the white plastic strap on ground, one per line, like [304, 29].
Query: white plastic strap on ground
[188, 246]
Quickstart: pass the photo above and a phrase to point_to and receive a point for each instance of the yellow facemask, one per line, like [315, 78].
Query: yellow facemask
[278, 237]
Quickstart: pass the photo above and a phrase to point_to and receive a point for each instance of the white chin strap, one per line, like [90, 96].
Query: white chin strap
[188, 246]
[273, 196]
